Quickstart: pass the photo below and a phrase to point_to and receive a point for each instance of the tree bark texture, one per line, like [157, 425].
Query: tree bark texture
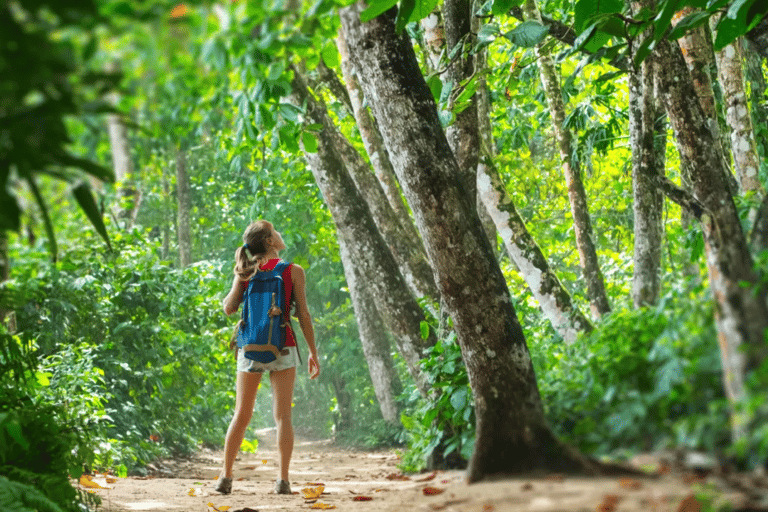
[698, 55]
[128, 196]
[554, 300]
[648, 200]
[512, 433]
[353, 218]
[577, 196]
[738, 117]
[399, 233]
[462, 134]
[741, 311]
[370, 135]
[434, 38]
[373, 336]
[184, 206]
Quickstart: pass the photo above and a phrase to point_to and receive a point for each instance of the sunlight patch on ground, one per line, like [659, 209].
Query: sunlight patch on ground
[148, 505]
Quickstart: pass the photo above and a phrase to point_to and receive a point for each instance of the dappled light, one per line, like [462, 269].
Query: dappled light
[393, 255]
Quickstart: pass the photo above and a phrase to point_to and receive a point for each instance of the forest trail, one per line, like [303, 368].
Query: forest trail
[374, 480]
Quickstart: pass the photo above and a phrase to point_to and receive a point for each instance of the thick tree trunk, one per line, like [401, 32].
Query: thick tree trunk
[698, 55]
[512, 433]
[370, 135]
[741, 312]
[373, 336]
[577, 196]
[399, 233]
[738, 117]
[554, 300]
[128, 196]
[353, 218]
[184, 205]
[648, 201]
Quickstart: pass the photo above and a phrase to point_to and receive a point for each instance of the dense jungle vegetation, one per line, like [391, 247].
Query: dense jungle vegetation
[139, 138]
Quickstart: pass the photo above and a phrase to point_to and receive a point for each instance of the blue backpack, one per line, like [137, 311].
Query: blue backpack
[262, 329]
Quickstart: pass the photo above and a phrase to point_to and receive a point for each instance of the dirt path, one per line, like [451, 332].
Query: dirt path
[188, 486]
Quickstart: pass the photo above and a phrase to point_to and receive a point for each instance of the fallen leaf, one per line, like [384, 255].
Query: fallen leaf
[527, 486]
[689, 504]
[431, 491]
[191, 492]
[179, 11]
[555, 477]
[444, 481]
[111, 480]
[362, 498]
[397, 476]
[222, 508]
[246, 509]
[241, 479]
[630, 483]
[263, 461]
[249, 467]
[315, 483]
[488, 507]
[609, 503]
[312, 492]
[426, 478]
[87, 481]
[323, 506]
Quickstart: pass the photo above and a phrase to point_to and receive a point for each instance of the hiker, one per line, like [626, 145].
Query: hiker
[262, 243]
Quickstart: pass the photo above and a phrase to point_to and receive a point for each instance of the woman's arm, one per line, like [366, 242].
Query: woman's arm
[305, 319]
[232, 300]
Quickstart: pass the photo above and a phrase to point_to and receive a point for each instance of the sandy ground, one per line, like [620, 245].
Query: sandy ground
[370, 481]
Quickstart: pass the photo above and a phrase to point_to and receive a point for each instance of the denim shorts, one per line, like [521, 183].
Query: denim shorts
[288, 359]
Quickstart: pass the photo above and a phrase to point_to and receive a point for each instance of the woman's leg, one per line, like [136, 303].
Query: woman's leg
[282, 398]
[247, 386]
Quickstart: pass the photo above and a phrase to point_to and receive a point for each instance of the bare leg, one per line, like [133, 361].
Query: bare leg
[282, 398]
[247, 386]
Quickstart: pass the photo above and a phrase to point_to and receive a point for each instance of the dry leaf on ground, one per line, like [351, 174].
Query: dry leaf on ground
[431, 491]
[362, 498]
[630, 483]
[323, 506]
[312, 492]
[426, 478]
[397, 476]
[689, 504]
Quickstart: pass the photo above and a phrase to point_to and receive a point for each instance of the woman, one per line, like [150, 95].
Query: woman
[262, 243]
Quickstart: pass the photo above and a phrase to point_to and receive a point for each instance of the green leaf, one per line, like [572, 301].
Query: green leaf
[688, 23]
[487, 34]
[422, 9]
[527, 34]
[435, 86]
[404, 12]
[86, 201]
[46, 217]
[310, 142]
[376, 8]
[330, 55]
[503, 6]
[424, 326]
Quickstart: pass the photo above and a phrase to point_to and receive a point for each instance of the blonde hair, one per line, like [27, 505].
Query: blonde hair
[250, 256]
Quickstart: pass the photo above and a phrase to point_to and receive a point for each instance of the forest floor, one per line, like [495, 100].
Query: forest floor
[370, 481]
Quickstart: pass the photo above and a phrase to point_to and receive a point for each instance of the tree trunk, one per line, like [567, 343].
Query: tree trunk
[434, 39]
[184, 205]
[485, 136]
[757, 87]
[373, 336]
[738, 117]
[399, 233]
[512, 433]
[554, 300]
[128, 196]
[370, 135]
[343, 418]
[741, 310]
[648, 201]
[462, 134]
[577, 196]
[697, 51]
[353, 219]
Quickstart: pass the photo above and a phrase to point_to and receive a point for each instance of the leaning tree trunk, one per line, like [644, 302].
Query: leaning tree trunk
[373, 336]
[395, 226]
[741, 310]
[353, 219]
[184, 205]
[648, 201]
[738, 117]
[582, 225]
[128, 196]
[370, 135]
[554, 300]
[512, 432]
